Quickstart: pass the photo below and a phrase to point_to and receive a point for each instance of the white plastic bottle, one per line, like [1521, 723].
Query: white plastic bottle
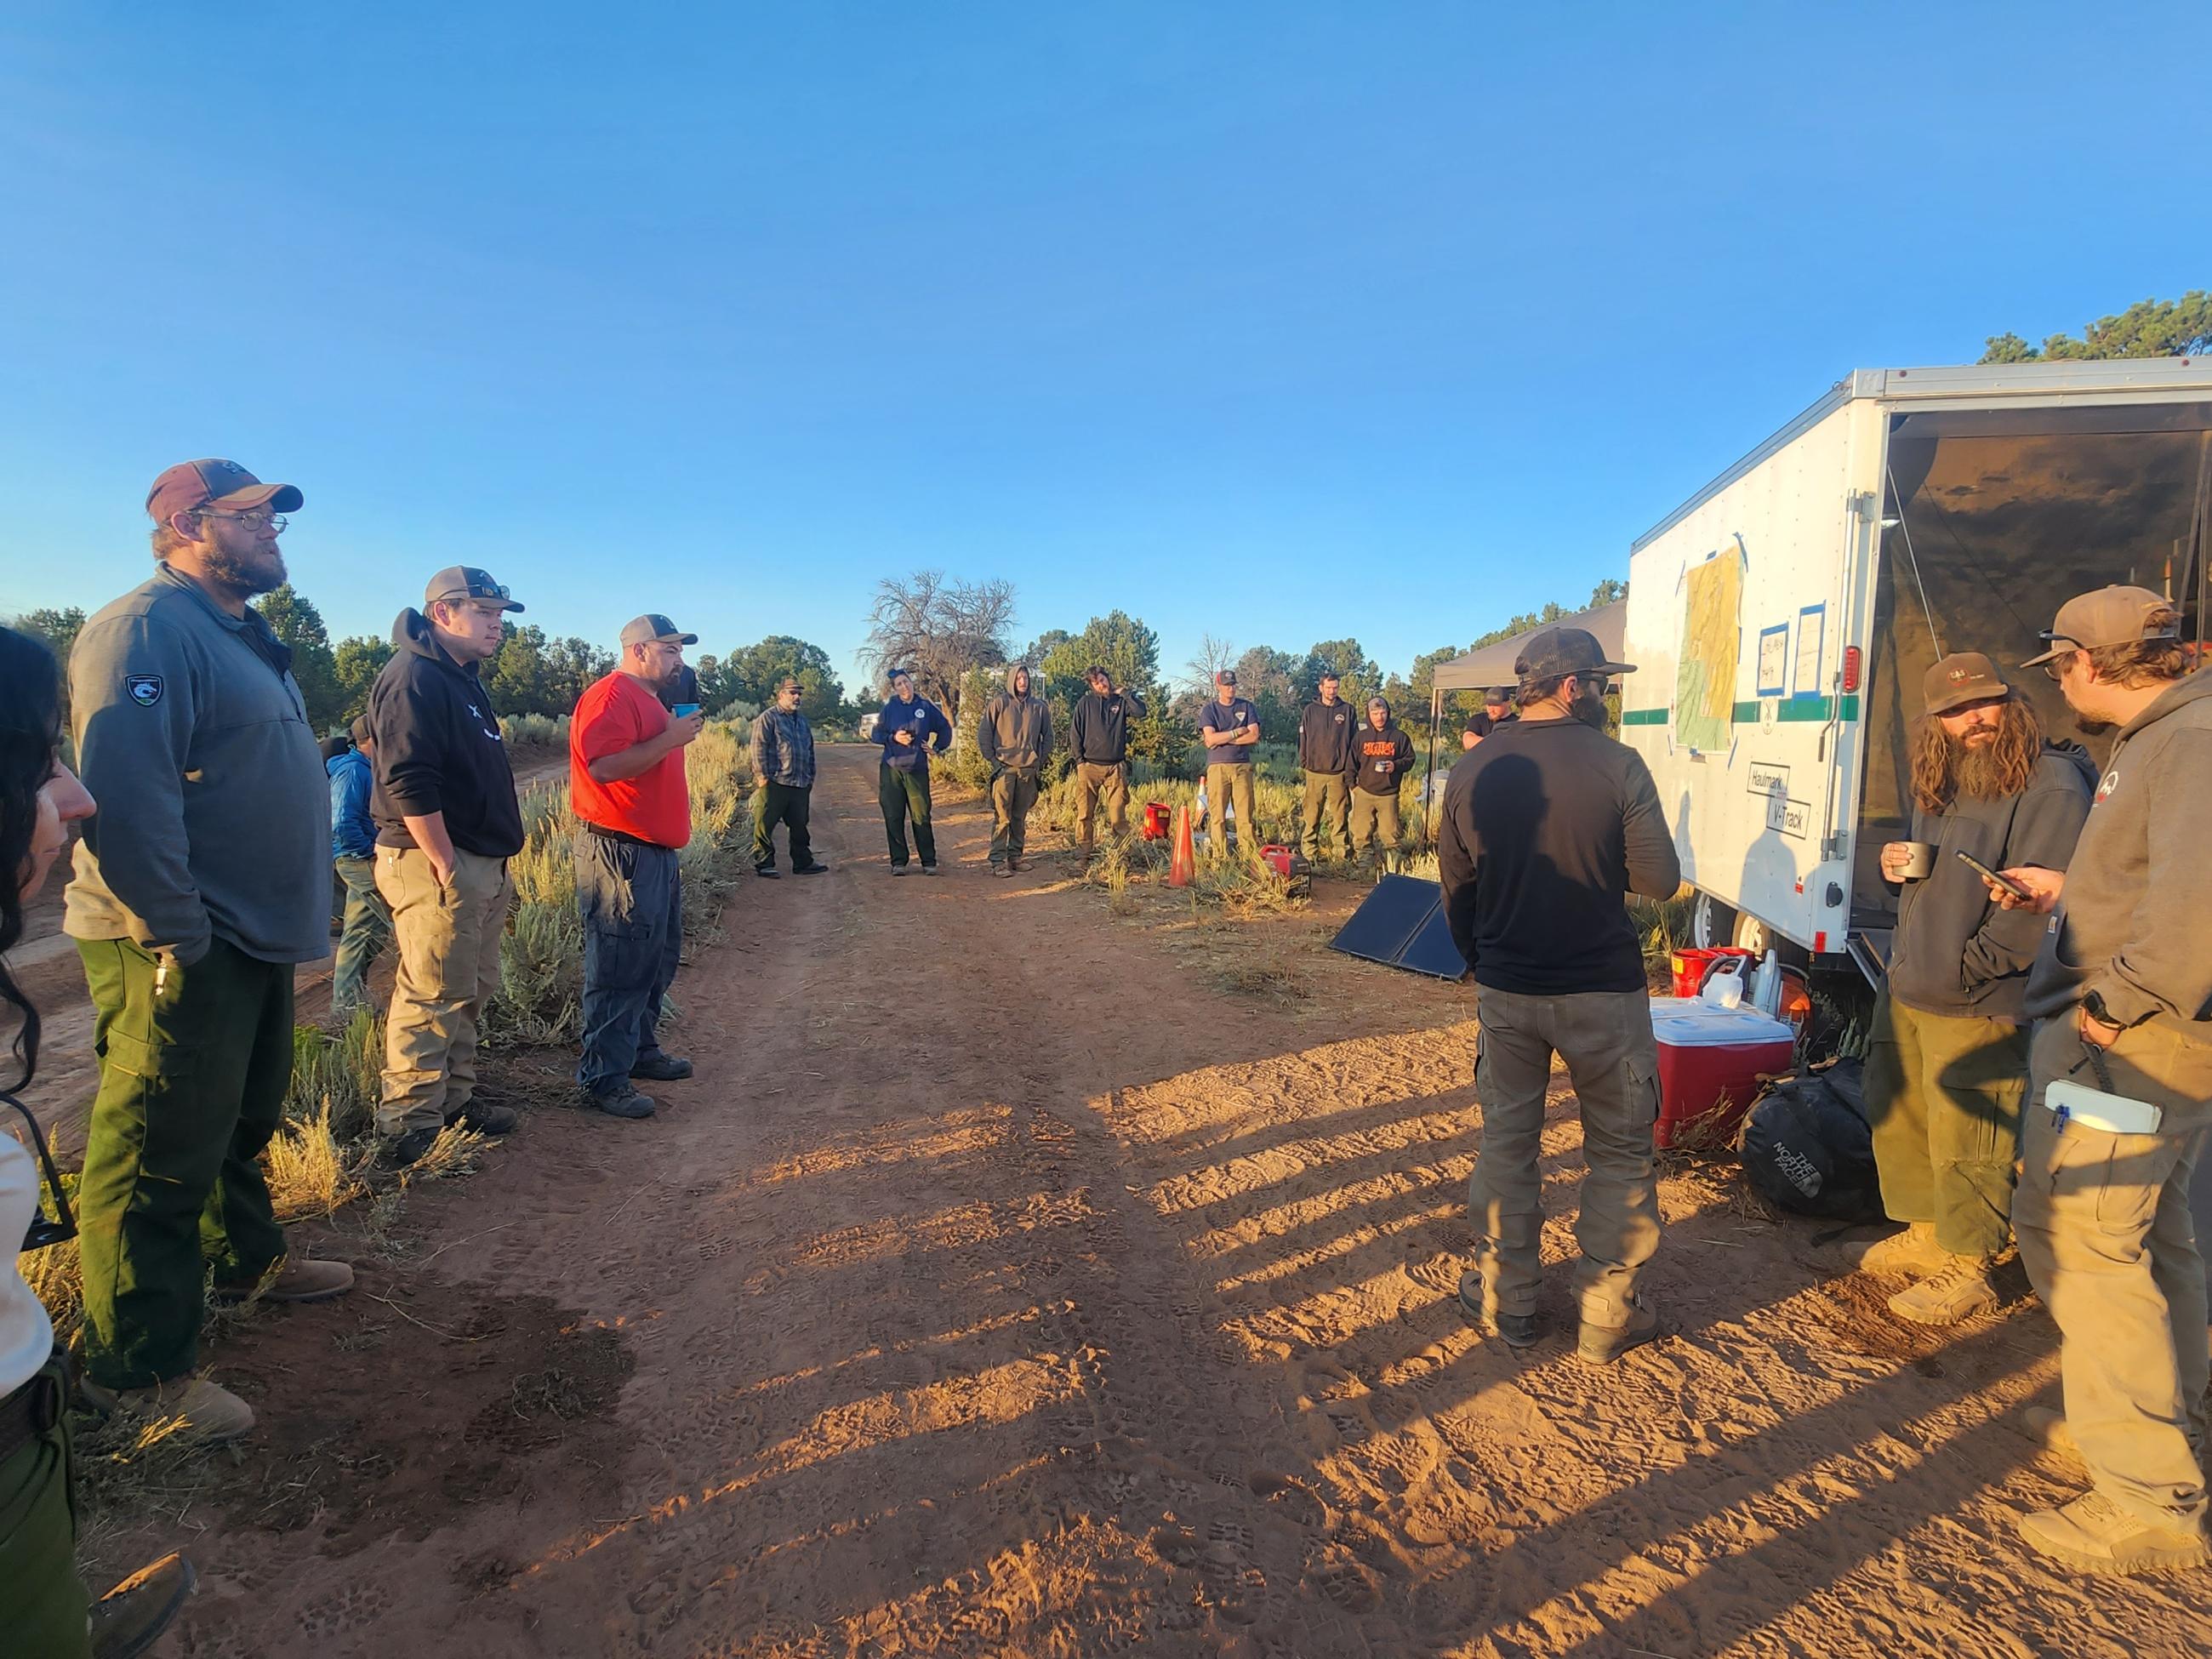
[1766, 987]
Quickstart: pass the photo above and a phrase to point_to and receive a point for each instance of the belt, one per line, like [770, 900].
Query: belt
[605, 834]
[30, 1413]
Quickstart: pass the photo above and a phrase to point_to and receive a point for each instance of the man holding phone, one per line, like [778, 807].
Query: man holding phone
[908, 728]
[1946, 1059]
[633, 806]
[2123, 993]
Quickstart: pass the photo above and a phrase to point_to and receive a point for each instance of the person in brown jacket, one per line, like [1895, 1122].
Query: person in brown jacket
[1016, 739]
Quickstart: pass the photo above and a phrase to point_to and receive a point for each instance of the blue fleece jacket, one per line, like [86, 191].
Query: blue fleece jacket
[921, 717]
[353, 835]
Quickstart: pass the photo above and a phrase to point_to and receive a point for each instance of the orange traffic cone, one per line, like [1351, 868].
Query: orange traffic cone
[1182, 864]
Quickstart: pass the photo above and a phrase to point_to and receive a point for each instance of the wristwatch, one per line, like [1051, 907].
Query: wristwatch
[2093, 1006]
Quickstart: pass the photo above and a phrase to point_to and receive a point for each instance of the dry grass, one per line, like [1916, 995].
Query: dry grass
[310, 1172]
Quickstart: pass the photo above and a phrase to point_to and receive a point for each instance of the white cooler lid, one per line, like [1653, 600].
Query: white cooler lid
[1688, 1023]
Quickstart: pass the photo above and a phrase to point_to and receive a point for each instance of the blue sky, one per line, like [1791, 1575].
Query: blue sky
[1281, 322]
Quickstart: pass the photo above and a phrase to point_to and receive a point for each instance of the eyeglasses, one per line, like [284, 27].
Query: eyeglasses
[2056, 668]
[276, 521]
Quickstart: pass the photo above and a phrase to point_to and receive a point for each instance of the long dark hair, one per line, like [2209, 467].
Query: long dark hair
[30, 737]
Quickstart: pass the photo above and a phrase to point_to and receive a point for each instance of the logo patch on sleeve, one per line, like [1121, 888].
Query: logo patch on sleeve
[144, 690]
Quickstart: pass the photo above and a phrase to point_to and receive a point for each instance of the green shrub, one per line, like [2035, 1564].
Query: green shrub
[540, 731]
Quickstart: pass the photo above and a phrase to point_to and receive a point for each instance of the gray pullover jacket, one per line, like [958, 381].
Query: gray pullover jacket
[1016, 735]
[215, 812]
[1955, 953]
[2131, 924]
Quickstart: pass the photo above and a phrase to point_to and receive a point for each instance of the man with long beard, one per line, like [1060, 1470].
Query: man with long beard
[1947, 1063]
[1546, 829]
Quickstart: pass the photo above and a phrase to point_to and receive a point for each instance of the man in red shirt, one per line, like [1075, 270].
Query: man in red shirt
[633, 812]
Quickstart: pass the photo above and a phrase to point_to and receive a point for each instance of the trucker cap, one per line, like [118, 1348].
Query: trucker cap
[655, 626]
[1559, 651]
[2110, 616]
[1226, 677]
[224, 485]
[1497, 693]
[465, 581]
[1962, 677]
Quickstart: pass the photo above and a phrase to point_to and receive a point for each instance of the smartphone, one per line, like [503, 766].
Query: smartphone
[1990, 875]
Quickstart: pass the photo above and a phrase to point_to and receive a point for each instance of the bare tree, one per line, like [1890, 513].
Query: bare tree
[937, 630]
[1214, 655]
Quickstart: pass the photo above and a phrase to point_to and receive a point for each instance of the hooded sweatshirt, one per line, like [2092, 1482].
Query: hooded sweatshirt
[215, 812]
[1955, 952]
[1328, 738]
[921, 717]
[438, 748]
[783, 748]
[1099, 730]
[1384, 757]
[2131, 923]
[1016, 730]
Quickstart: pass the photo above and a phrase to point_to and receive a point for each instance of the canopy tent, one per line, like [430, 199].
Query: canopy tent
[1494, 664]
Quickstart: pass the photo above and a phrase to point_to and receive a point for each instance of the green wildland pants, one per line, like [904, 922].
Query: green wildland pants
[449, 939]
[1228, 784]
[1943, 1094]
[904, 795]
[1098, 784]
[1326, 827]
[1375, 823]
[791, 807]
[1013, 795]
[1605, 1038]
[44, 1602]
[192, 1075]
[2106, 1234]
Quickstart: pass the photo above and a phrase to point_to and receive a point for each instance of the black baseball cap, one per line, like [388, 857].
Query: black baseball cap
[1560, 651]
[655, 626]
[465, 581]
[1226, 677]
[1497, 693]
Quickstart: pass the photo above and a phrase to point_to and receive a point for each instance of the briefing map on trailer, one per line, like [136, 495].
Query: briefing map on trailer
[1705, 677]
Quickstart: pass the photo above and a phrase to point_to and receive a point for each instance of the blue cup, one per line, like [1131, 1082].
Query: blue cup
[684, 710]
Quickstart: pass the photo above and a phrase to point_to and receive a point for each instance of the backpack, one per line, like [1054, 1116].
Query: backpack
[1806, 1146]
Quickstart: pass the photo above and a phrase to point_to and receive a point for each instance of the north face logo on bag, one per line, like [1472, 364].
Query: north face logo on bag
[144, 690]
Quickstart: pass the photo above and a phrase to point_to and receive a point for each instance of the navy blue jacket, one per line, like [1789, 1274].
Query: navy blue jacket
[921, 717]
[353, 834]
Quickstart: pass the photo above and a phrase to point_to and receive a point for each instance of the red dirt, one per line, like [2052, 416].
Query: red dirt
[1002, 1285]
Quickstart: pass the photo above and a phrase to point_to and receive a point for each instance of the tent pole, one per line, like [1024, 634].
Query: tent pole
[1429, 778]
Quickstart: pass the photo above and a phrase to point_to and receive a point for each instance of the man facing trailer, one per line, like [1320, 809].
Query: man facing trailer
[1546, 828]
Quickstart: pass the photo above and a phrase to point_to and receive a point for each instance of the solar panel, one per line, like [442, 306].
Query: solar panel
[1431, 951]
[1387, 917]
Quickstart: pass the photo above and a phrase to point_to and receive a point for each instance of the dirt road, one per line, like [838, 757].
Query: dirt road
[1003, 1286]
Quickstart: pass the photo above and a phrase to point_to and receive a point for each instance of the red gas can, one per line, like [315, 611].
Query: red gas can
[1276, 858]
[1155, 820]
[1710, 1064]
[1690, 965]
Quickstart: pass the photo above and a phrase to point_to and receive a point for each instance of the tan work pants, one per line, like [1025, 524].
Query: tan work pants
[1013, 795]
[1226, 784]
[1327, 826]
[2105, 1231]
[1375, 819]
[448, 940]
[1605, 1038]
[1097, 783]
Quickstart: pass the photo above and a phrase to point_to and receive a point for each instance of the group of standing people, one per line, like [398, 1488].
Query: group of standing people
[2041, 1067]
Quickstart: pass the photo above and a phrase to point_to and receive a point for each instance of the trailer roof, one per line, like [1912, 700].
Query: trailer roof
[2129, 380]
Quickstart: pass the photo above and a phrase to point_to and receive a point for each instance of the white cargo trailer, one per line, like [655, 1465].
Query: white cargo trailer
[1781, 619]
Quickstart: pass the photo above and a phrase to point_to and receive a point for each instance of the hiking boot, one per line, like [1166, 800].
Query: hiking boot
[810, 869]
[401, 1150]
[130, 1618]
[1600, 1345]
[301, 1278]
[928, 869]
[1013, 865]
[1912, 1251]
[769, 870]
[1518, 1330]
[2094, 1535]
[624, 1101]
[661, 1068]
[1956, 1293]
[205, 1413]
[1002, 869]
[898, 869]
[484, 1117]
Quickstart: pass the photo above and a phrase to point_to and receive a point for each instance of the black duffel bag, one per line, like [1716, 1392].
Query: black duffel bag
[1806, 1146]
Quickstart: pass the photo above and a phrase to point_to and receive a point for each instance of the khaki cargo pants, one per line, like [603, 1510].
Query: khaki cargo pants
[1229, 807]
[2105, 1230]
[1375, 821]
[448, 940]
[1943, 1094]
[1098, 784]
[1327, 824]
[1605, 1039]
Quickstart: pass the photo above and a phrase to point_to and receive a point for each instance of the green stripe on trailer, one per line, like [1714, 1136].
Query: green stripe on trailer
[1747, 714]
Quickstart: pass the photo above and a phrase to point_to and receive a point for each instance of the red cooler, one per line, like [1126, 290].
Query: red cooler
[1710, 1061]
